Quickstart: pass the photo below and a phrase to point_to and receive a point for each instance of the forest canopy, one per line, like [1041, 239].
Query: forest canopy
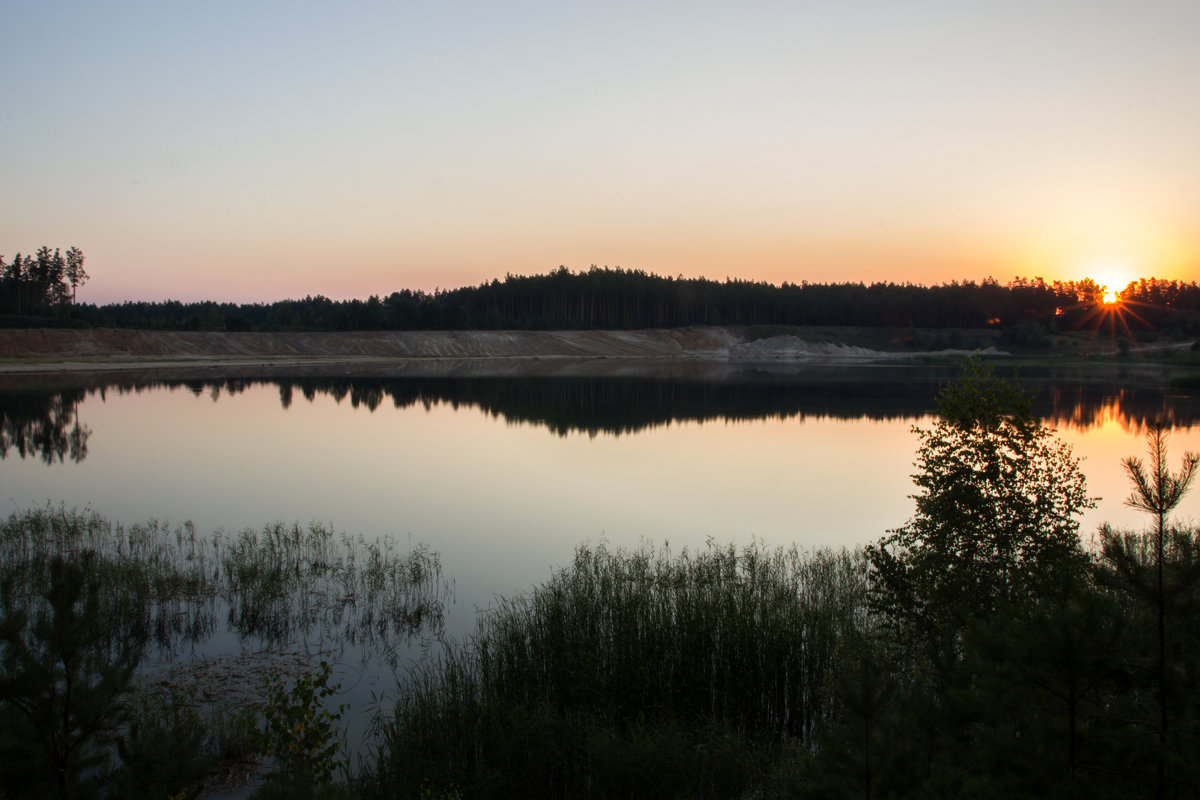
[40, 290]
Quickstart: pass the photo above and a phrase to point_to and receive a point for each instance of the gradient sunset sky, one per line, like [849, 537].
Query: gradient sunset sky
[255, 151]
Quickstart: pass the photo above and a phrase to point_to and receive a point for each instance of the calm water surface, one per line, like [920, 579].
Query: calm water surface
[505, 476]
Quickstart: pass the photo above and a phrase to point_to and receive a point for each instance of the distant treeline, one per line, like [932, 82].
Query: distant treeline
[615, 298]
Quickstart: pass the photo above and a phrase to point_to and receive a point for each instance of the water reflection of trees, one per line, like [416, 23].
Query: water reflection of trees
[46, 423]
[43, 425]
[621, 405]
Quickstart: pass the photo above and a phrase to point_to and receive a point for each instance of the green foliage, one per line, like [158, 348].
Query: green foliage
[632, 673]
[66, 668]
[1044, 686]
[300, 733]
[288, 579]
[1010, 684]
[41, 284]
[170, 585]
[1158, 492]
[616, 298]
[165, 750]
[1038, 670]
[449, 792]
[867, 741]
[996, 516]
[82, 599]
[1159, 571]
[720, 673]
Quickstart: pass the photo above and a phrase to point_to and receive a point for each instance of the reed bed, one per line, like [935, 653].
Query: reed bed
[632, 673]
[281, 587]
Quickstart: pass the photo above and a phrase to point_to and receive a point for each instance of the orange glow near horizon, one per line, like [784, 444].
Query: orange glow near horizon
[205, 272]
[1114, 274]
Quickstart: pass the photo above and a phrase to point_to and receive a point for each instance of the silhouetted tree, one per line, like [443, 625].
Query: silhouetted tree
[75, 273]
[996, 516]
[1145, 570]
[608, 298]
[39, 284]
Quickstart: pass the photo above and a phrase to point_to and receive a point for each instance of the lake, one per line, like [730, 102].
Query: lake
[505, 469]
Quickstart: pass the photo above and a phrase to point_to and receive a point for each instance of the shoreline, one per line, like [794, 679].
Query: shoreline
[47, 352]
[32, 366]
[36, 351]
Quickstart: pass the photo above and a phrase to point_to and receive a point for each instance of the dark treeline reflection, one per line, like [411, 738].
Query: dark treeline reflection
[617, 406]
[45, 423]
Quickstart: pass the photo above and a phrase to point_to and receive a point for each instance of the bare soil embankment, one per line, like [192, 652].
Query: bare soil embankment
[67, 350]
[129, 344]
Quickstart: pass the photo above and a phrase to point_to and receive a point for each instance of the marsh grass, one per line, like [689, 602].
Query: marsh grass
[289, 593]
[631, 673]
[286, 581]
[281, 587]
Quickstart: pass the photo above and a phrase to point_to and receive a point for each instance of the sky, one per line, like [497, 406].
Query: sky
[254, 151]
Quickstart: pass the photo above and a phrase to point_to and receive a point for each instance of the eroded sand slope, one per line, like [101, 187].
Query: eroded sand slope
[75, 350]
[127, 344]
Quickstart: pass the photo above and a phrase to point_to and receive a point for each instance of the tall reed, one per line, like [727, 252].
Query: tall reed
[638, 671]
[287, 591]
[283, 586]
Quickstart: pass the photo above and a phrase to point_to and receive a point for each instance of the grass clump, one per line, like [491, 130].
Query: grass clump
[630, 673]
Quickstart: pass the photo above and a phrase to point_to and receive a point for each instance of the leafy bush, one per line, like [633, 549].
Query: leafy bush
[299, 733]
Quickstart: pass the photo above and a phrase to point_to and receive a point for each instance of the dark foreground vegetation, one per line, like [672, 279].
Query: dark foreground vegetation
[94, 702]
[40, 290]
[978, 651]
[981, 650]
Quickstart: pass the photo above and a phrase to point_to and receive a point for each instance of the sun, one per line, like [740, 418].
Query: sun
[1114, 274]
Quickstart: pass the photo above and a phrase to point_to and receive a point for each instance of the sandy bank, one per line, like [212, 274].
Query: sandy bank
[27, 350]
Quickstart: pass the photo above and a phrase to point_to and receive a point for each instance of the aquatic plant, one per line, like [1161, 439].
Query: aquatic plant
[649, 673]
[83, 601]
[284, 586]
[167, 748]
